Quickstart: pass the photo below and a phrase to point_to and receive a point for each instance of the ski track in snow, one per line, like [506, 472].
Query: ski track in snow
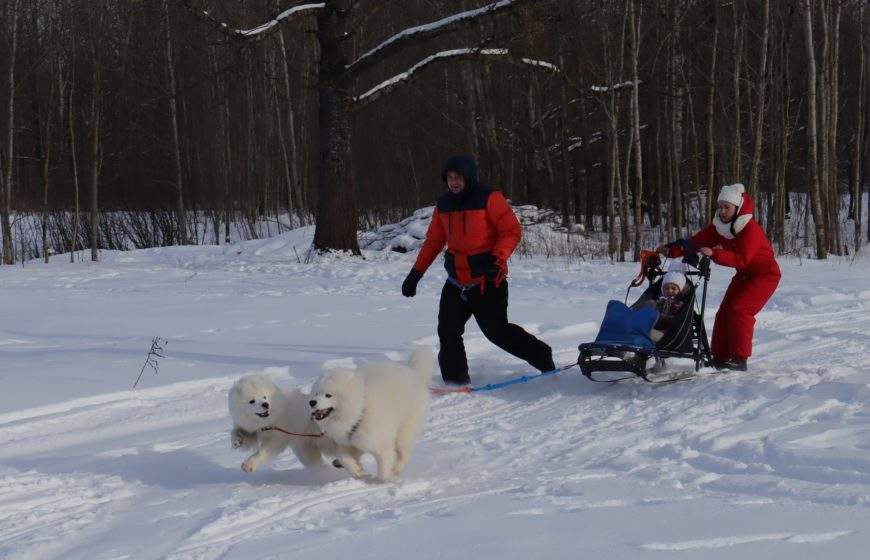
[101, 476]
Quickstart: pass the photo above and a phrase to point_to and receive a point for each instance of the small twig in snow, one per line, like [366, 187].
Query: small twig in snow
[157, 346]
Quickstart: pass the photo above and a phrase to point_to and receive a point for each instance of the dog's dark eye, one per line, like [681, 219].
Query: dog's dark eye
[252, 401]
[328, 396]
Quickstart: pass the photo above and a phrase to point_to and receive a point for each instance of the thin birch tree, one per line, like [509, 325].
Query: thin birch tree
[812, 135]
[6, 218]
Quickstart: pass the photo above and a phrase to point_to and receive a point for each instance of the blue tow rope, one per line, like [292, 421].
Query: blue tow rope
[502, 384]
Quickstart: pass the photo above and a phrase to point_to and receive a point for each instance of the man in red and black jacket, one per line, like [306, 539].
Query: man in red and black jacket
[480, 231]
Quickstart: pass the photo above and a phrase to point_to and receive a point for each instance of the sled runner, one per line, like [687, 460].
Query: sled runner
[624, 344]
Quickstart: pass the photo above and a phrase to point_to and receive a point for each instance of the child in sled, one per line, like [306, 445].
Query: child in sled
[670, 304]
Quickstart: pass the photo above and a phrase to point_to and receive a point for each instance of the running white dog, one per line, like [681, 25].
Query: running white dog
[256, 403]
[380, 409]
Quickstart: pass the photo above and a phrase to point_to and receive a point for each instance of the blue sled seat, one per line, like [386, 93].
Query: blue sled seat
[623, 326]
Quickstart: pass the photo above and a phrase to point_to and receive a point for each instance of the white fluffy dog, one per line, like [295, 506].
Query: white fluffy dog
[380, 409]
[257, 403]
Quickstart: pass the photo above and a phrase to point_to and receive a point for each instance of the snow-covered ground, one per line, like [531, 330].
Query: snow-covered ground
[773, 464]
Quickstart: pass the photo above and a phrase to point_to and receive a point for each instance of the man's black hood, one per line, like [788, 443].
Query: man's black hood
[465, 166]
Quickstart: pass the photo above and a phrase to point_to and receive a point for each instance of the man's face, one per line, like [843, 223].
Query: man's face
[455, 182]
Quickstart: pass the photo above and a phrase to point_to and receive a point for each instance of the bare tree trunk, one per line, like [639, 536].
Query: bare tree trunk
[635, 113]
[218, 172]
[812, 133]
[75, 172]
[251, 185]
[622, 180]
[696, 154]
[336, 208]
[754, 188]
[512, 149]
[228, 201]
[828, 113]
[547, 160]
[828, 110]
[8, 253]
[656, 216]
[542, 161]
[833, 125]
[858, 135]
[613, 139]
[676, 90]
[564, 119]
[624, 190]
[528, 137]
[225, 159]
[46, 166]
[668, 195]
[293, 159]
[173, 117]
[613, 167]
[779, 184]
[496, 162]
[736, 157]
[783, 136]
[306, 137]
[416, 197]
[286, 157]
[824, 98]
[576, 191]
[585, 135]
[96, 157]
[532, 165]
[707, 210]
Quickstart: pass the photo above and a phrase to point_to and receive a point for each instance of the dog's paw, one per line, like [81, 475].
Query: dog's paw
[240, 438]
[249, 466]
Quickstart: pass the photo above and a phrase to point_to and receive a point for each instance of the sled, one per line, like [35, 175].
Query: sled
[623, 343]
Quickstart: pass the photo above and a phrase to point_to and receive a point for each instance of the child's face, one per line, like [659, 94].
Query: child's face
[670, 290]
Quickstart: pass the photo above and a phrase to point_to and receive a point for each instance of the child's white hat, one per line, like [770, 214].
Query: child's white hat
[674, 277]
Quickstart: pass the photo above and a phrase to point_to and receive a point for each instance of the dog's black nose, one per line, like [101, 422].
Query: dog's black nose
[312, 404]
[265, 405]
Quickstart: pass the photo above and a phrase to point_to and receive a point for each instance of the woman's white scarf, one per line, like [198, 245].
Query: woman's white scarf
[732, 228]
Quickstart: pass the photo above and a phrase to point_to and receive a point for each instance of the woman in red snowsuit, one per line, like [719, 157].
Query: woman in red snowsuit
[735, 239]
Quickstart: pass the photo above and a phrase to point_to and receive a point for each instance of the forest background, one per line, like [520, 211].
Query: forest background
[142, 123]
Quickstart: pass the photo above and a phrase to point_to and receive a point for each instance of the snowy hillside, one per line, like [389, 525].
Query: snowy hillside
[773, 464]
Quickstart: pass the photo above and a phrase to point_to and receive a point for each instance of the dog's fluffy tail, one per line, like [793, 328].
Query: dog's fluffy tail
[422, 361]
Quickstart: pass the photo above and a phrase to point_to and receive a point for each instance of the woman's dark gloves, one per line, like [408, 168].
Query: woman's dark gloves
[409, 286]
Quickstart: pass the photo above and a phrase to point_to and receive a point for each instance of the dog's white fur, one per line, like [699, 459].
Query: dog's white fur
[380, 409]
[256, 403]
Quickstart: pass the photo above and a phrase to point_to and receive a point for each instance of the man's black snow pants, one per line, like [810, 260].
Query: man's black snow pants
[490, 312]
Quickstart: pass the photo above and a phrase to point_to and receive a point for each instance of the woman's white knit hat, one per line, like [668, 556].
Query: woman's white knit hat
[674, 277]
[733, 194]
